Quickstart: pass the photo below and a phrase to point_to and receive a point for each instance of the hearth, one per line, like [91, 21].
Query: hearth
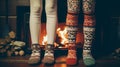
[23, 33]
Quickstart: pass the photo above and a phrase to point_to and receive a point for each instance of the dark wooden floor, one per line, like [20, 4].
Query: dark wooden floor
[60, 62]
[60, 55]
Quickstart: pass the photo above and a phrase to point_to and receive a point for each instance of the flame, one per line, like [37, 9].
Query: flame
[44, 42]
[61, 34]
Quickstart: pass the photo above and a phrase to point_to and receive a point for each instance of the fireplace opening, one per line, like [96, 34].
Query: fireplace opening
[61, 40]
[23, 33]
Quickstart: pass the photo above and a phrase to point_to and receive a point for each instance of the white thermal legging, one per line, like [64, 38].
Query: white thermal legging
[35, 19]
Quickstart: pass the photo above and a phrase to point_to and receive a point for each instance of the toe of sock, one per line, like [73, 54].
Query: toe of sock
[33, 61]
[89, 61]
[71, 61]
[48, 60]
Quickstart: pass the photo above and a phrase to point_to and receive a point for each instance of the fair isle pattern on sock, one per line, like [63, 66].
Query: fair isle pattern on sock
[72, 19]
[89, 31]
[88, 41]
[88, 6]
[49, 54]
[73, 6]
[71, 24]
[71, 57]
[36, 54]
[72, 51]
[71, 31]
[88, 35]
[89, 21]
[49, 50]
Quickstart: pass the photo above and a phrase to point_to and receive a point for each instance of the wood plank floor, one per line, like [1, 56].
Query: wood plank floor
[60, 62]
[60, 56]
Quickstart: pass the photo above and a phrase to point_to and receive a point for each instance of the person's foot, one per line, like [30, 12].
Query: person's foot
[49, 55]
[71, 58]
[87, 56]
[36, 55]
[88, 60]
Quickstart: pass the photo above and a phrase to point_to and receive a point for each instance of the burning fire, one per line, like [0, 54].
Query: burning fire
[44, 40]
[61, 33]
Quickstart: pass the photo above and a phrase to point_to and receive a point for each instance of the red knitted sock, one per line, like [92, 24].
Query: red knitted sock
[71, 57]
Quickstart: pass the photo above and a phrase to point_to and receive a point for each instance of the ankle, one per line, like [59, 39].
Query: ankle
[49, 50]
[35, 47]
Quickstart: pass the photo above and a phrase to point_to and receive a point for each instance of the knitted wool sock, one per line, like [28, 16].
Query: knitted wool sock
[88, 6]
[88, 38]
[71, 24]
[71, 57]
[35, 20]
[52, 20]
[89, 31]
[49, 54]
[35, 56]
[73, 6]
[51, 14]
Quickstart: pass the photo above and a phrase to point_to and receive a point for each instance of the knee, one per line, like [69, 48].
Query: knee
[50, 9]
[36, 9]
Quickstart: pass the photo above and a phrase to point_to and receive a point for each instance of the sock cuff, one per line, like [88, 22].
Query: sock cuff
[89, 20]
[49, 47]
[72, 20]
[89, 29]
[35, 47]
[86, 47]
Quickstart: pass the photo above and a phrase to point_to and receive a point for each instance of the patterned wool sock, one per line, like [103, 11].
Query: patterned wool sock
[49, 54]
[71, 24]
[36, 55]
[73, 6]
[88, 6]
[89, 31]
[71, 57]
[51, 15]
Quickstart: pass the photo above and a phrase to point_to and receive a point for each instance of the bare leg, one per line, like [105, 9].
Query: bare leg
[35, 22]
[51, 12]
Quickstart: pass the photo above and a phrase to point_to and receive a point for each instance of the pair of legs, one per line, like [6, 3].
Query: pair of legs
[35, 28]
[73, 11]
[71, 23]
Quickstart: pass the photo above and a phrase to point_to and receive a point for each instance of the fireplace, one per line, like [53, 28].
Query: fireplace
[23, 33]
